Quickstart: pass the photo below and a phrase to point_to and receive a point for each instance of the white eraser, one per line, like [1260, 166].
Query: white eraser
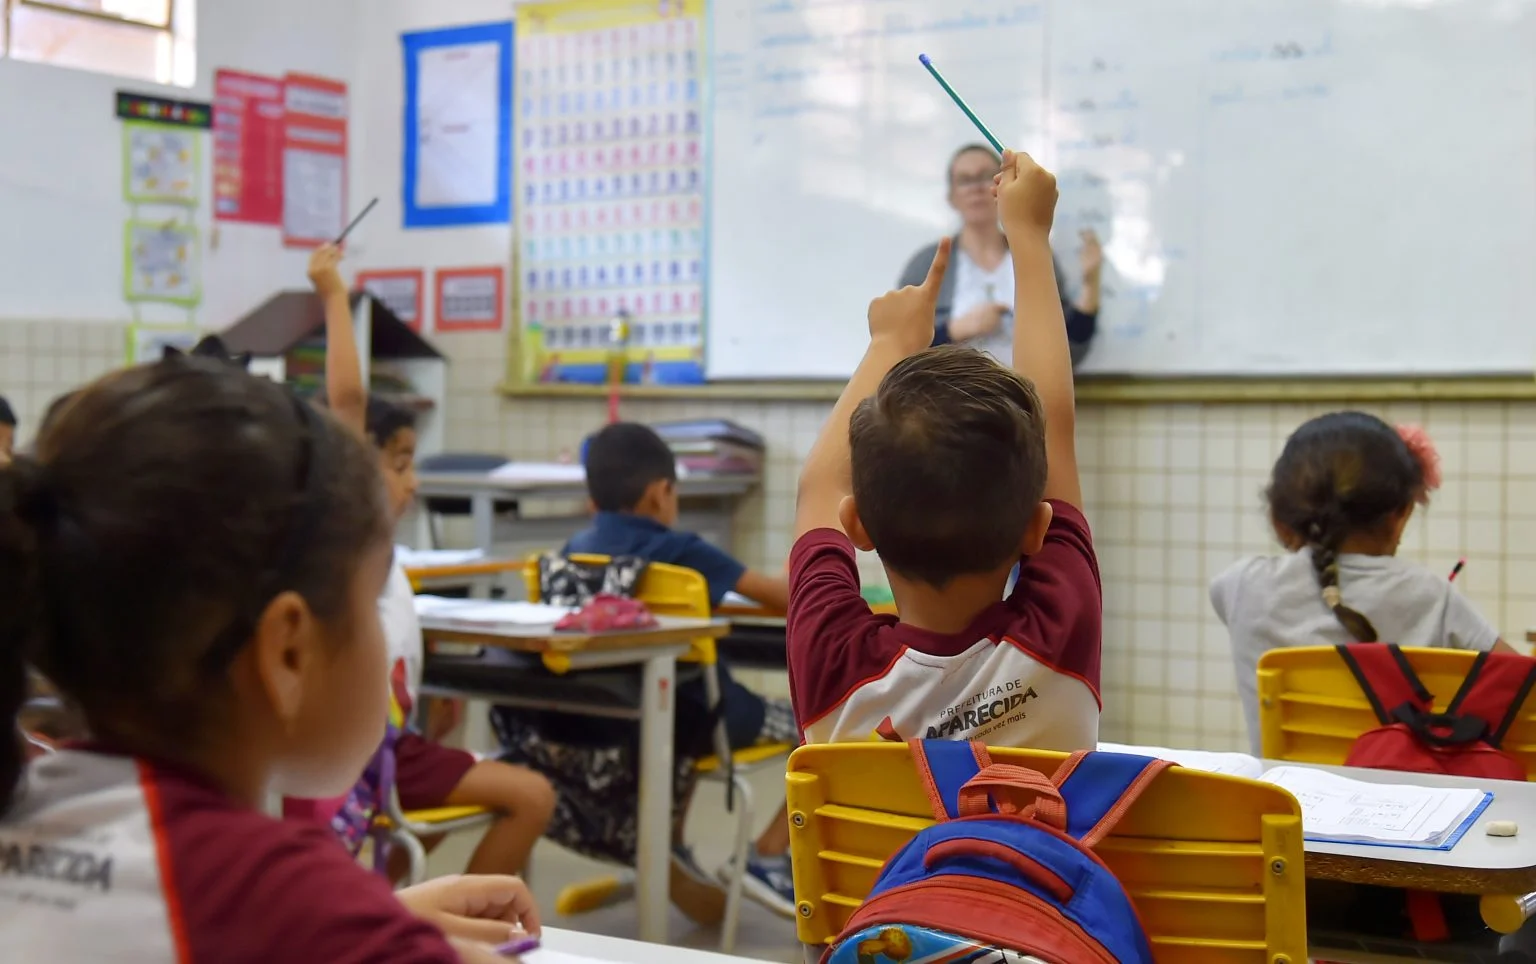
[1501, 828]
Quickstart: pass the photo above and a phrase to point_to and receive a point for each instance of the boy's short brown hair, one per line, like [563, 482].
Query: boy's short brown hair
[948, 464]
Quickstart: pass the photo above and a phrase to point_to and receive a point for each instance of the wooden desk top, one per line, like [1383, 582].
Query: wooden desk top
[468, 484]
[762, 615]
[670, 631]
[465, 570]
[1478, 864]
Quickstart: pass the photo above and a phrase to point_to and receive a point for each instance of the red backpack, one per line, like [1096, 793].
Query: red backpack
[1463, 741]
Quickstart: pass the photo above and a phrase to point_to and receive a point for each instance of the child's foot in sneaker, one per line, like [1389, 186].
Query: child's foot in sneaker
[768, 881]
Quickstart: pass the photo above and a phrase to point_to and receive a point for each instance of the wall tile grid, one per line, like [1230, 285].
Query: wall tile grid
[40, 360]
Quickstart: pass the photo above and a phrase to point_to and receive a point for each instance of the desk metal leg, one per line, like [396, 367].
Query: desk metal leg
[483, 510]
[652, 864]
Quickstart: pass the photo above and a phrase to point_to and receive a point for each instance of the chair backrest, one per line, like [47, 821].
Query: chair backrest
[667, 590]
[1213, 864]
[1311, 709]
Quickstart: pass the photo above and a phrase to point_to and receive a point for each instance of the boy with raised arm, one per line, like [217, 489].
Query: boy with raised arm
[953, 468]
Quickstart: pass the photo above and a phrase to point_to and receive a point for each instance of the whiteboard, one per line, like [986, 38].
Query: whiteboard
[1282, 186]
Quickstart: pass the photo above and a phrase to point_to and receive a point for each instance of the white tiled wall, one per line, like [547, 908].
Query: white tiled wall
[1174, 492]
[41, 360]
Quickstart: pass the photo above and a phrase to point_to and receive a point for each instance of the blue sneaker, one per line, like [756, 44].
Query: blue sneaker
[768, 881]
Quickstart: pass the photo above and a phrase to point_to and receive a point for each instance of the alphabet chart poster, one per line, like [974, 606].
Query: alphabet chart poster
[611, 179]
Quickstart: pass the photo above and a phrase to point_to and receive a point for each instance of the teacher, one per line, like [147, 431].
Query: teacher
[976, 299]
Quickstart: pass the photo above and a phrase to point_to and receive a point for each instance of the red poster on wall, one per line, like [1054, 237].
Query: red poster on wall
[248, 115]
[314, 160]
[400, 290]
[471, 299]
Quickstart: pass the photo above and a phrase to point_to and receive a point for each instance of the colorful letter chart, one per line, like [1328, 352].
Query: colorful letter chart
[611, 183]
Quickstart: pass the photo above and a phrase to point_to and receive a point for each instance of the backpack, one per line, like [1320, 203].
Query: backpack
[1008, 872]
[1466, 740]
[354, 819]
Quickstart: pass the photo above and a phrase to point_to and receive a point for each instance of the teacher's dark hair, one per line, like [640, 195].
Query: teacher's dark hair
[1339, 475]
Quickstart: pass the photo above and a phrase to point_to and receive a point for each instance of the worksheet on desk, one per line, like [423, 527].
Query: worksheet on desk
[1342, 810]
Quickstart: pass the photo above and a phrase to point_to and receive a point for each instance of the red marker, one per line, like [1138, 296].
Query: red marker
[1460, 565]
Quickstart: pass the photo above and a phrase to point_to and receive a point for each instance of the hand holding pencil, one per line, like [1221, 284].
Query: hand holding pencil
[1026, 197]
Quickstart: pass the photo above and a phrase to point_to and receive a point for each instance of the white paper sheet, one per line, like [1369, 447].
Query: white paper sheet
[1232, 764]
[422, 558]
[549, 473]
[1351, 811]
[314, 202]
[458, 121]
[478, 612]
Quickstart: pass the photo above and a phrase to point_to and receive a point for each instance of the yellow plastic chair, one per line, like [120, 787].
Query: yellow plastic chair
[1311, 710]
[669, 590]
[1213, 863]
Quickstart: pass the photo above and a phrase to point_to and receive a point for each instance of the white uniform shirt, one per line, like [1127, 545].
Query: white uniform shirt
[974, 287]
[1270, 602]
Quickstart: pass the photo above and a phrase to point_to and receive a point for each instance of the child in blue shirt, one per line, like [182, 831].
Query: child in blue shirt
[632, 482]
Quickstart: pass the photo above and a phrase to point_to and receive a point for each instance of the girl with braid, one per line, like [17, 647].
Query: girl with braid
[1339, 498]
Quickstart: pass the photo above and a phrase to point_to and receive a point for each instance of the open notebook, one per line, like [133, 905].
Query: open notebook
[1337, 809]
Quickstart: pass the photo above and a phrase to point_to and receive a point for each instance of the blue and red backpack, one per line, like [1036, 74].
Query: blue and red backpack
[1008, 873]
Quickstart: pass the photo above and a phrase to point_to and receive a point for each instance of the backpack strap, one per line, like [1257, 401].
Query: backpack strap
[1100, 787]
[944, 766]
[1494, 692]
[1386, 679]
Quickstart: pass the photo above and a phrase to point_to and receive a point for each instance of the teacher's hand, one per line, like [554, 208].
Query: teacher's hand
[981, 320]
[1091, 256]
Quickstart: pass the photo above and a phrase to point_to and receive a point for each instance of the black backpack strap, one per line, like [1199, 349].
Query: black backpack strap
[1386, 678]
[1494, 691]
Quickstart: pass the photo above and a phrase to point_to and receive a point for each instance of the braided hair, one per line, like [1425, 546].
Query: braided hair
[1340, 475]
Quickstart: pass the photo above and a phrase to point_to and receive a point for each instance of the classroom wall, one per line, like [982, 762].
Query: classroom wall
[1174, 495]
[377, 161]
[61, 254]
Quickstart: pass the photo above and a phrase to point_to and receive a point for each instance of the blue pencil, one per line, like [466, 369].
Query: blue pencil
[926, 62]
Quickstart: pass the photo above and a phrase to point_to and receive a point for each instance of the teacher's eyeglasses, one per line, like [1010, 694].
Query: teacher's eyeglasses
[962, 181]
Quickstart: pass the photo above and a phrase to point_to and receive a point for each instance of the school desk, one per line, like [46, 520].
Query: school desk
[708, 502]
[479, 575]
[655, 651]
[570, 947]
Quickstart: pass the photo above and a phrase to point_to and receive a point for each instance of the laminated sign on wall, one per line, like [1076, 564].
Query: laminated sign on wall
[399, 291]
[471, 299]
[314, 160]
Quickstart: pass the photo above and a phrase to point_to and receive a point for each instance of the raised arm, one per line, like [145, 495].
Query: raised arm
[345, 392]
[900, 324]
[1026, 200]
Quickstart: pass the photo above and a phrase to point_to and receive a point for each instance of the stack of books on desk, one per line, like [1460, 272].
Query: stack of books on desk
[713, 447]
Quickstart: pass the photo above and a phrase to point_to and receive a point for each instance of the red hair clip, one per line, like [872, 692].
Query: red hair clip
[1422, 448]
